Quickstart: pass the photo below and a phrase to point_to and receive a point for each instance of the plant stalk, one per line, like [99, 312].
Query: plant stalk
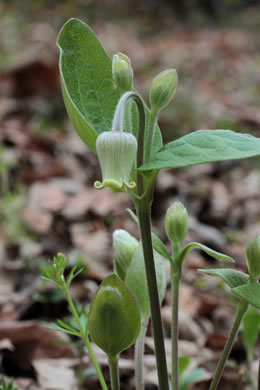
[139, 358]
[114, 372]
[143, 207]
[87, 342]
[242, 308]
[175, 280]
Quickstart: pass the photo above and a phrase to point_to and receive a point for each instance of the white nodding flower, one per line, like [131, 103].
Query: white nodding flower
[116, 151]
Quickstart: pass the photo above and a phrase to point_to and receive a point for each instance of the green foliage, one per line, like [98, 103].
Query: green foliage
[125, 247]
[55, 272]
[253, 257]
[231, 277]
[250, 330]
[136, 280]
[7, 386]
[87, 84]
[187, 379]
[204, 146]
[195, 245]
[249, 293]
[86, 77]
[114, 319]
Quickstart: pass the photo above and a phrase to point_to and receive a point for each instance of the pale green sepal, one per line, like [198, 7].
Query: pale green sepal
[136, 280]
[195, 245]
[114, 319]
[231, 277]
[249, 293]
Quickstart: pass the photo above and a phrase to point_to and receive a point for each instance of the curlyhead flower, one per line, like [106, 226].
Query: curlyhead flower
[116, 151]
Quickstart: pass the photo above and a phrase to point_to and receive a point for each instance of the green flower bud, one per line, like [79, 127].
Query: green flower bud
[125, 247]
[116, 151]
[114, 319]
[163, 88]
[176, 223]
[253, 257]
[122, 72]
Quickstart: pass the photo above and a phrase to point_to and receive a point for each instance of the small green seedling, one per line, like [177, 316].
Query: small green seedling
[7, 386]
[114, 122]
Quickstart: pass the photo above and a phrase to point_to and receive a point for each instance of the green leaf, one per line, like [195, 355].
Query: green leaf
[193, 377]
[250, 330]
[58, 328]
[184, 362]
[136, 280]
[249, 293]
[204, 146]
[159, 246]
[231, 277]
[87, 85]
[86, 77]
[114, 319]
[195, 245]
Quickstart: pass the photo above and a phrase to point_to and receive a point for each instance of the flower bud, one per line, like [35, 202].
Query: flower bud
[114, 319]
[253, 257]
[176, 223]
[116, 151]
[124, 247]
[163, 88]
[122, 72]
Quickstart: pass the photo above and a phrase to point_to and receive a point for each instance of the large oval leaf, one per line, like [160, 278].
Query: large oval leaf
[87, 85]
[204, 146]
[114, 319]
[86, 76]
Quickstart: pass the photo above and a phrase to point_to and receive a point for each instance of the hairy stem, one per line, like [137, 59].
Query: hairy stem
[242, 308]
[139, 357]
[114, 372]
[175, 280]
[87, 342]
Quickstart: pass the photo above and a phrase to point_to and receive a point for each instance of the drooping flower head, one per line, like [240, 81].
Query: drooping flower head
[116, 151]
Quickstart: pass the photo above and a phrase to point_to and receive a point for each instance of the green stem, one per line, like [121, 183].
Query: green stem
[114, 372]
[150, 131]
[139, 357]
[143, 207]
[175, 280]
[258, 380]
[87, 342]
[242, 308]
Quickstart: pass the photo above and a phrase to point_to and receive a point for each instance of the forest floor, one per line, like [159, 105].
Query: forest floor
[48, 203]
